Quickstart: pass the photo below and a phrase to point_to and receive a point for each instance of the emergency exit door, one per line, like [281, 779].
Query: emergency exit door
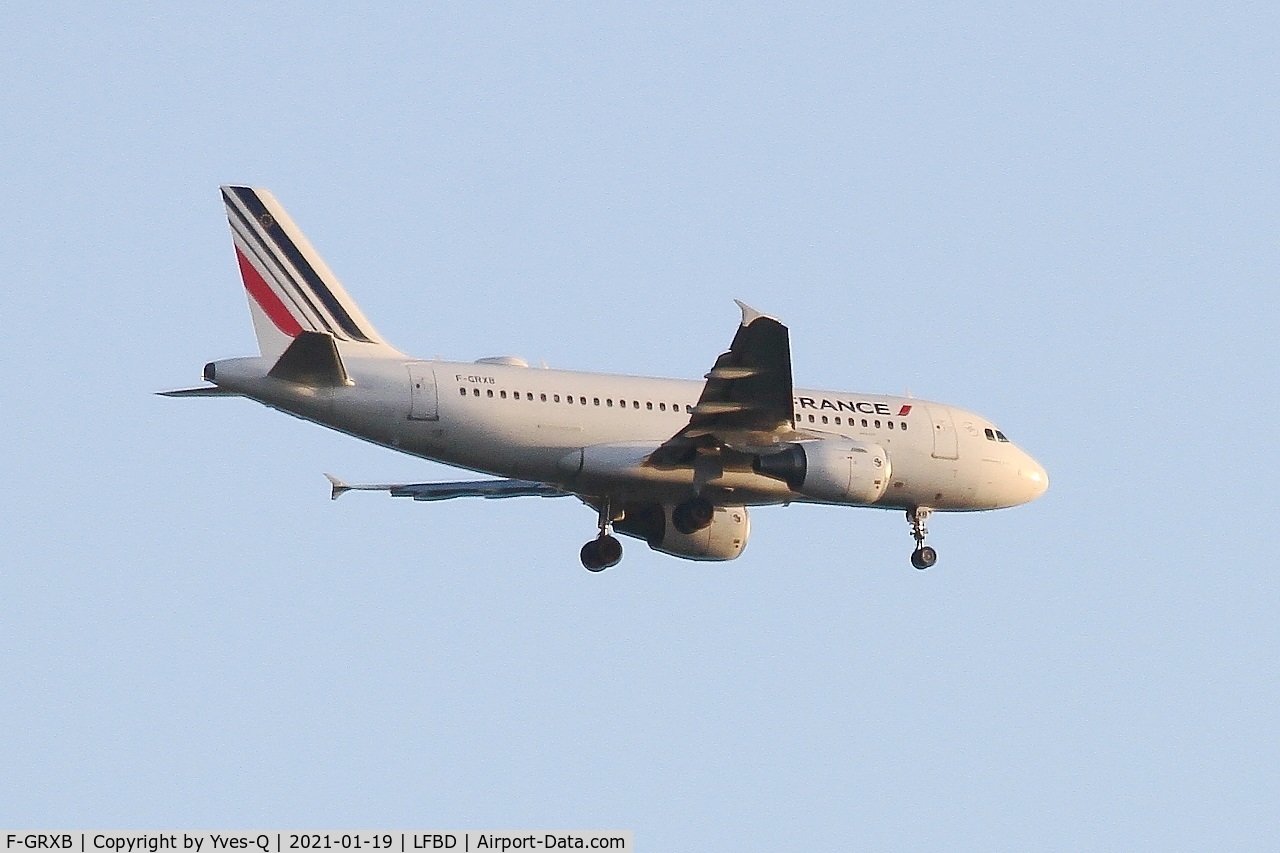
[422, 392]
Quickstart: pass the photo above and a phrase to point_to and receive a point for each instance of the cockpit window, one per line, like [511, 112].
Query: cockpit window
[991, 435]
[1000, 436]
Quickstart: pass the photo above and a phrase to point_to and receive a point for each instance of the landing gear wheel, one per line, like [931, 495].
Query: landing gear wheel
[591, 556]
[602, 553]
[693, 515]
[924, 557]
[610, 550]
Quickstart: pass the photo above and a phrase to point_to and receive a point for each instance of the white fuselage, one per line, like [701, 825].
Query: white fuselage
[590, 433]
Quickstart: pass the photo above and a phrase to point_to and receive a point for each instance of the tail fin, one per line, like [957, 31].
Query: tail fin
[290, 288]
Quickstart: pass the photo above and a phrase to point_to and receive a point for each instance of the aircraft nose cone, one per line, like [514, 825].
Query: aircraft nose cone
[1035, 478]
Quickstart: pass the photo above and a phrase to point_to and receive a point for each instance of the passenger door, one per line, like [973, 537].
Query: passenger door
[946, 444]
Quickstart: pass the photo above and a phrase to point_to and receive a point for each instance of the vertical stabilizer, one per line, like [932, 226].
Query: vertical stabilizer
[290, 288]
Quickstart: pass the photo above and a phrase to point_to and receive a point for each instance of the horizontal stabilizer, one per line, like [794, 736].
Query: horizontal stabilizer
[202, 391]
[312, 359]
[447, 491]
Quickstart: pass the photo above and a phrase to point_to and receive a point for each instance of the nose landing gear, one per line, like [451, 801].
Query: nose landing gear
[923, 556]
[605, 551]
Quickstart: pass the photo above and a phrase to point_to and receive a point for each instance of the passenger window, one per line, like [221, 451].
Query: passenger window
[837, 420]
[824, 419]
[662, 407]
[877, 425]
[864, 421]
[544, 397]
[488, 392]
[555, 398]
[902, 425]
[810, 418]
[595, 400]
[462, 391]
[890, 424]
[475, 391]
[635, 404]
[569, 400]
[649, 406]
[582, 401]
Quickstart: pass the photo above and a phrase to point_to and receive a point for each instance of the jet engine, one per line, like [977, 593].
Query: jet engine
[835, 470]
[723, 539]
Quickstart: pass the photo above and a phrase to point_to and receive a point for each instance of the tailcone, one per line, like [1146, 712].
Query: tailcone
[238, 375]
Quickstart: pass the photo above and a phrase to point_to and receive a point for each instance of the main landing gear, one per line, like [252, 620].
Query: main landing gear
[605, 551]
[923, 556]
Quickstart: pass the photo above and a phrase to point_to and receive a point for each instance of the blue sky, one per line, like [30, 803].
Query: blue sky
[1063, 218]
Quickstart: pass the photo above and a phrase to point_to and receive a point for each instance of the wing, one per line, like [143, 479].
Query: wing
[445, 491]
[746, 405]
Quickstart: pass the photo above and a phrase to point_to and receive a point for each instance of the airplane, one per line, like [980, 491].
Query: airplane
[675, 463]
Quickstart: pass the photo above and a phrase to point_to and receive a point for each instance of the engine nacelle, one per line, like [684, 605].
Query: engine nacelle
[724, 539]
[837, 469]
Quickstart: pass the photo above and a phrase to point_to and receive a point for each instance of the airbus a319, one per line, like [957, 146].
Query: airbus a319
[675, 463]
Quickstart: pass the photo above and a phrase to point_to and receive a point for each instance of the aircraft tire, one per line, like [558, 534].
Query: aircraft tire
[610, 550]
[924, 557]
[591, 557]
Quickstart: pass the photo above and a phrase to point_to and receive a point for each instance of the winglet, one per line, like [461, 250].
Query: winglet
[339, 488]
[749, 314]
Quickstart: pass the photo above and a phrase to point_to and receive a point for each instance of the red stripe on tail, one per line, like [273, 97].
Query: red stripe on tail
[266, 297]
